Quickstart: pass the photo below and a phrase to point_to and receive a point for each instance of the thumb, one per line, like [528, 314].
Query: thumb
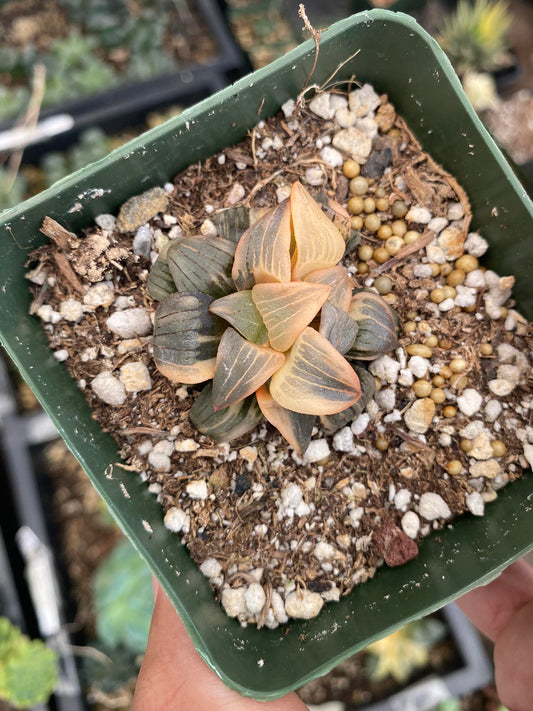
[513, 652]
[173, 676]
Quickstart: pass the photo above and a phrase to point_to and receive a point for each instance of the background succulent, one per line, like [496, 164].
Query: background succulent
[268, 314]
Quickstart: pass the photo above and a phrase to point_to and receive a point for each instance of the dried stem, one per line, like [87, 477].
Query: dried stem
[315, 34]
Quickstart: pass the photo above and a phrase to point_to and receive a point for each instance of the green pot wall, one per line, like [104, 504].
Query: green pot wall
[400, 59]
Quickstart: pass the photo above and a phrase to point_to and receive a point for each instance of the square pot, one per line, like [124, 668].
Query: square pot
[399, 58]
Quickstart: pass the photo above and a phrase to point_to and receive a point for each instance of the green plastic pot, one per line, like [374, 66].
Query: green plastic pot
[400, 59]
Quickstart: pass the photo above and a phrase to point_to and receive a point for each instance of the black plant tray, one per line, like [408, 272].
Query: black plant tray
[129, 103]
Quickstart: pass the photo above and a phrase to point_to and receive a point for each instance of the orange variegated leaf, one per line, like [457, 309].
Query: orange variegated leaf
[340, 282]
[241, 367]
[263, 253]
[317, 242]
[315, 379]
[286, 309]
[240, 311]
[295, 427]
[229, 422]
[186, 338]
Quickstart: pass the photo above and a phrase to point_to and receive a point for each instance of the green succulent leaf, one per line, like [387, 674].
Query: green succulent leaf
[226, 424]
[241, 368]
[239, 310]
[333, 423]
[160, 283]
[377, 326]
[28, 668]
[123, 599]
[233, 222]
[338, 327]
[202, 264]
[186, 337]
[294, 426]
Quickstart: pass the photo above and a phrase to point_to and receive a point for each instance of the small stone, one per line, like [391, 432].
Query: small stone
[139, 209]
[303, 604]
[331, 156]
[61, 355]
[353, 142]
[71, 310]
[47, 314]
[469, 402]
[130, 323]
[475, 504]
[410, 524]
[500, 387]
[385, 368]
[242, 484]
[451, 241]
[288, 107]
[364, 100]
[159, 461]
[419, 214]
[418, 366]
[324, 551]
[177, 520]
[234, 601]
[315, 176]
[385, 117]
[434, 253]
[393, 544]
[476, 245]
[437, 224]
[377, 162]
[142, 242]
[343, 440]
[420, 414]
[211, 568]
[360, 424]
[345, 118]
[208, 228]
[255, 598]
[432, 506]
[106, 222]
[109, 389]
[249, 454]
[197, 489]
[402, 498]
[236, 194]
[493, 410]
[489, 469]
[135, 376]
[317, 450]
[283, 192]
[291, 495]
[186, 445]
[321, 106]
[481, 448]
[99, 295]
[455, 211]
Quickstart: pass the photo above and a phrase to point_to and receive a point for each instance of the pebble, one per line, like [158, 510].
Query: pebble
[61, 355]
[402, 498]
[142, 242]
[432, 506]
[291, 495]
[109, 389]
[364, 100]
[419, 214]
[130, 345]
[135, 376]
[500, 387]
[331, 156]
[455, 211]
[434, 253]
[476, 245]
[317, 450]
[481, 448]
[211, 568]
[321, 106]
[255, 598]
[102, 294]
[324, 551]
[159, 461]
[208, 228]
[353, 142]
[410, 524]
[234, 601]
[385, 368]
[343, 440]
[71, 310]
[130, 323]
[283, 192]
[303, 604]
[186, 445]
[249, 454]
[106, 222]
[345, 118]
[493, 410]
[377, 162]
[235, 195]
[419, 415]
[360, 424]
[437, 224]
[315, 176]
[288, 107]
[469, 402]
[418, 366]
[197, 489]
[422, 271]
[451, 241]
[47, 314]
[176, 520]
[139, 209]
[475, 504]
[489, 469]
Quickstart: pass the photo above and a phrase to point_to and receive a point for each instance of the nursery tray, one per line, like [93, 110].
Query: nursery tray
[399, 58]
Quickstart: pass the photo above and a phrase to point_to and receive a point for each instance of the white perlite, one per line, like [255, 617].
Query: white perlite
[71, 310]
[176, 520]
[234, 601]
[469, 402]
[343, 440]
[109, 389]
[315, 176]
[186, 445]
[419, 214]
[321, 106]
[324, 551]
[432, 506]
[410, 524]
[353, 142]
[135, 376]
[476, 245]
[130, 323]
[101, 294]
[385, 368]
[493, 410]
[475, 504]
[318, 449]
[331, 156]
[255, 598]
[211, 568]
[197, 489]
[364, 100]
[291, 495]
[303, 604]
[418, 366]
[360, 424]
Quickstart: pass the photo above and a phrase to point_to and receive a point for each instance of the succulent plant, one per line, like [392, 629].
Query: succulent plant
[268, 314]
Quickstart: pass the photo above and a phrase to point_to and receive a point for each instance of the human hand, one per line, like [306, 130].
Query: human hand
[174, 677]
